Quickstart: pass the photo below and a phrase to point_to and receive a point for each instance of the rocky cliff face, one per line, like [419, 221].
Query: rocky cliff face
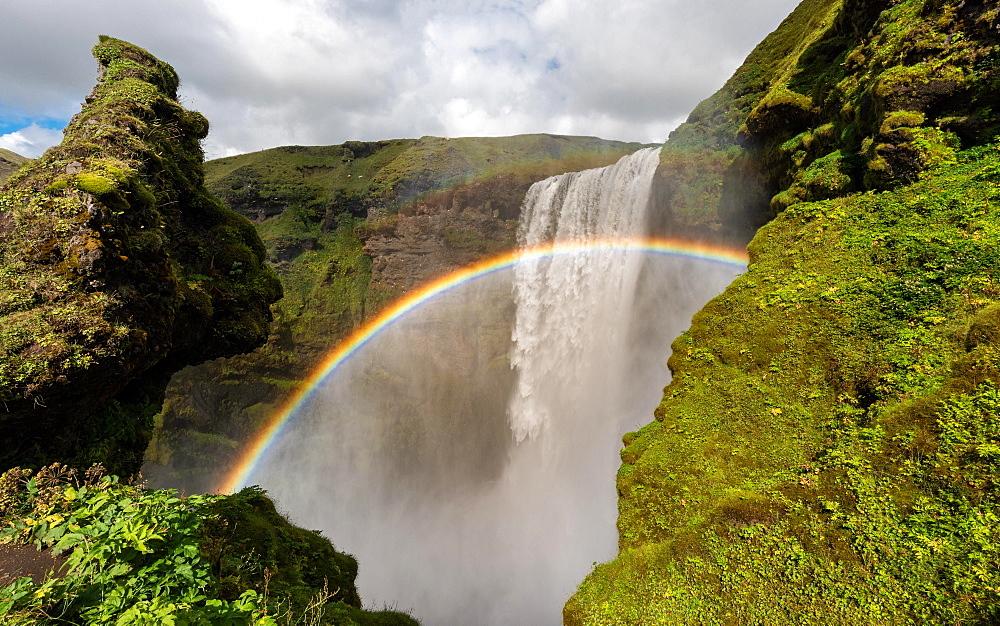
[117, 268]
[824, 453]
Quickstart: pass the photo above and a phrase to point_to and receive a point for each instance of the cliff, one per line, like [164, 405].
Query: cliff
[825, 452]
[116, 269]
[844, 96]
[349, 228]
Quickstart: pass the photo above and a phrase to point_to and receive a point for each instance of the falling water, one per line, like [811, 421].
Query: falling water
[572, 312]
[467, 456]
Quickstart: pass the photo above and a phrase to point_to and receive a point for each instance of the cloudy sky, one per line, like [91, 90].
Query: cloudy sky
[317, 72]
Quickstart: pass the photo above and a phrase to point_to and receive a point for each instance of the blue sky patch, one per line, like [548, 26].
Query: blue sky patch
[11, 121]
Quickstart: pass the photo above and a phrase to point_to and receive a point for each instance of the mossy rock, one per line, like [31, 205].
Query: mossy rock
[984, 329]
[100, 235]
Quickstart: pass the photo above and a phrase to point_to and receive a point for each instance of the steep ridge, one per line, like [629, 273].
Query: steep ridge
[825, 451]
[844, 96]
[349, 228]
[117, 267]
[9, 161]
[107, 284]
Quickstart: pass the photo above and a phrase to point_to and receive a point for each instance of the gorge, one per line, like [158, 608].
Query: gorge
[825, 451]
[428, 457]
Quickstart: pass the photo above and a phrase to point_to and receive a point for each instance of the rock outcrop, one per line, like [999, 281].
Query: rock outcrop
[117, 268]
[844, 96]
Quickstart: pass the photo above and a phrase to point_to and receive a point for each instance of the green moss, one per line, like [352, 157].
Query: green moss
[98, 237]
[867, 74]
[826, 451]
[825, 177]
[94, 183]
[895, 120]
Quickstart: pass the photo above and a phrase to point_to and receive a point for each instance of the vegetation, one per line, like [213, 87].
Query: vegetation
[363, 178]
[116, 268]
[846, 95]
[134, 556]
[824, 453]
[9, 162]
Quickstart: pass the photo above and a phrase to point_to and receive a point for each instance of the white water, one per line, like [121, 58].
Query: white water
[473, 474]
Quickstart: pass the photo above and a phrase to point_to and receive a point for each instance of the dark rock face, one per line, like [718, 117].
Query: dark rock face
[442, 232]
[117, 268]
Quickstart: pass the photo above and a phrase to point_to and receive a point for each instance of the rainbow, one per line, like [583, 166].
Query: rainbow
[238, 476]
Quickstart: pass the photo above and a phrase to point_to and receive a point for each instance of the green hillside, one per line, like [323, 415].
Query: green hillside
[845, 96]
[386, 175]
[826, 451]
[9, 161]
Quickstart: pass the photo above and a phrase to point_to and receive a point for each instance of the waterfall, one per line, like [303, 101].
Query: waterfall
[467, 455]
[571, 318]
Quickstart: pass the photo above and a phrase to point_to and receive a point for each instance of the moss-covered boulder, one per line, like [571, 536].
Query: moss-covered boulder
[117, 268]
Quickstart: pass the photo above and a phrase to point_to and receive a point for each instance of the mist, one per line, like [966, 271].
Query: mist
[467, 454]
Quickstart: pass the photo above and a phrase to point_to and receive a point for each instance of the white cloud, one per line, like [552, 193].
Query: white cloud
[278, 72]
[30, 141]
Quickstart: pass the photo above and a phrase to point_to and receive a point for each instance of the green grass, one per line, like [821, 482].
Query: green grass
[9, 162]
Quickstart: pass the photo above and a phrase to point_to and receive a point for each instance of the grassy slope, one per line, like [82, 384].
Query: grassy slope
[385, 175]
[321, 196]
[826, 450]
[9, 161]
